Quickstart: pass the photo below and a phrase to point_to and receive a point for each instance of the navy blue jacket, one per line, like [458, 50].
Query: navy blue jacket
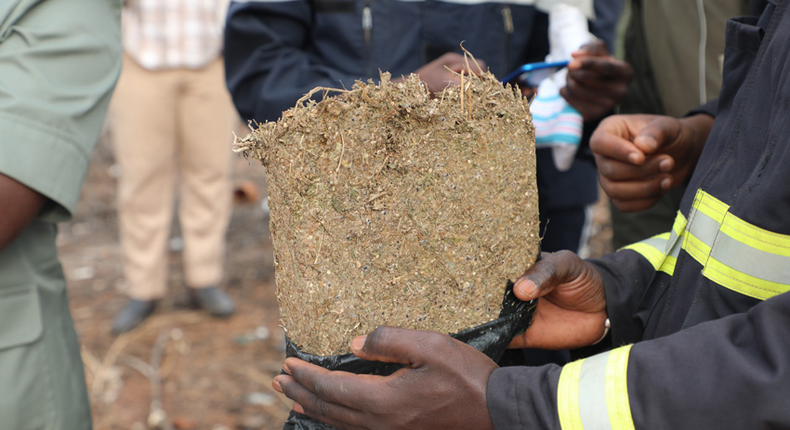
[277, 51]
[708, 304]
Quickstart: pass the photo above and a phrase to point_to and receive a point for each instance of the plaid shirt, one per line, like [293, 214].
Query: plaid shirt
[172, 34]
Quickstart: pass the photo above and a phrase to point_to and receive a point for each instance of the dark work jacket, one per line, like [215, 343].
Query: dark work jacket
[277, 51]
[700, 317]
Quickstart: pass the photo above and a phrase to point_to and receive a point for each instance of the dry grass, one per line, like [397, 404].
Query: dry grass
[390, 207]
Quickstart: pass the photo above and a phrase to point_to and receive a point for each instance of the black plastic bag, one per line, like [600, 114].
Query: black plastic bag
[491, 338]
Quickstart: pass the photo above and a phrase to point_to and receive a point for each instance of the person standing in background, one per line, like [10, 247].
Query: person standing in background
[676, 48]
[172, 120]
[277, 51]
[59, 62]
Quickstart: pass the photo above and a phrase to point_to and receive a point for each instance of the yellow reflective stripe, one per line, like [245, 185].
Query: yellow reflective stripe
[617, 401]
[756, 237]
[735, 254]
[652, 249]
[668, 266]
[593, 393]
[743, 283]
[698, 249]
[653, 255]
[679, 226]
[710, 206]
[568, 396]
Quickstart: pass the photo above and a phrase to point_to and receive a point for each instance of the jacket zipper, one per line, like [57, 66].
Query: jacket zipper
[367, 27]
[367, 23]
[507, 18]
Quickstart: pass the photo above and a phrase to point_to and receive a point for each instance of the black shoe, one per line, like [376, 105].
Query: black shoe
[212, 299]
[134, 313]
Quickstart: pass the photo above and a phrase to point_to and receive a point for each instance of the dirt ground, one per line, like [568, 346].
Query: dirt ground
[183, 369]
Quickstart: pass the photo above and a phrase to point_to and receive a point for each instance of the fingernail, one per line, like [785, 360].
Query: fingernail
[633, 158]
[298, 409]
[357, 343]
[525, 288]
[666, 183]
[286, 369]
[665, 165]
[276, 385]
[649, 142]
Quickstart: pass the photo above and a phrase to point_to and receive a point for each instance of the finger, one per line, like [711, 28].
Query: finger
[590, 110]
[607, 145]
[599, 83]
[657, 134]
[629, 206]
[615, 170]
[551, 270]
[477, 66]
[647, 188]
[399, 345]
[457, 63]
[312, 405]
[555, 328]
[594, 90]
[336, 387]
[596, 47]
[457, 66]
[552, 332]
[604, 67]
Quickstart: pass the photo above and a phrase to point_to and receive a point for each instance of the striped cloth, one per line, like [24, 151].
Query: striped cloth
[557, 124]
[172, 34]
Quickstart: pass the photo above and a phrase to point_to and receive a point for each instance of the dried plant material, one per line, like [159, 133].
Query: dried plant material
[389, 207]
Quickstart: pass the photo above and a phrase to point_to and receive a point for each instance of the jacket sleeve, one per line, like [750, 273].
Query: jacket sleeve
[268, 64]
[710, 108]
[730, 373]
[627, 275]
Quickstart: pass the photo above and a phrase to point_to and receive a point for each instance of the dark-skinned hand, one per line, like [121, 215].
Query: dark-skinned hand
[596, 81]
[438, 74]
[443, 385]
[20, 205]
[641, 157]
[571, 309]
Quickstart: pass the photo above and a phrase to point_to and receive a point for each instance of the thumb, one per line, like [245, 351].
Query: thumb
[596, 47]
[656, 134]
[391, 345]
[551, 270]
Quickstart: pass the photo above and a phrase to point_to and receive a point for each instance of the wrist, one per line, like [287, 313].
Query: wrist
[607, 325]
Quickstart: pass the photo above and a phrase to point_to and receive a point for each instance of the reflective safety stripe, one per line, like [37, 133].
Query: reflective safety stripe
[593, 393]
[655, 251]
[735, 254]
[652, 249]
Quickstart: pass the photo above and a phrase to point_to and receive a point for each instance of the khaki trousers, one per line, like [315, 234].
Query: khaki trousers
[172, 129]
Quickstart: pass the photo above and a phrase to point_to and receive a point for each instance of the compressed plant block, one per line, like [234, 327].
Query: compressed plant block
[390, 207]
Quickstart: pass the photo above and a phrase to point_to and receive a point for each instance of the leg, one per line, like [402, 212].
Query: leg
[206, 119]
[143, 119]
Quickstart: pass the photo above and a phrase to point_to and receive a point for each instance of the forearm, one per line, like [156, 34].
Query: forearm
[20, 205]
[699, 125]
[729, 373]
[725, 374]
[626, 275]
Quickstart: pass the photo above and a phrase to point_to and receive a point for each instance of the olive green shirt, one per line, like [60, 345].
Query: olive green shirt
[668, 42]
[676, 48]
[59, 61]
